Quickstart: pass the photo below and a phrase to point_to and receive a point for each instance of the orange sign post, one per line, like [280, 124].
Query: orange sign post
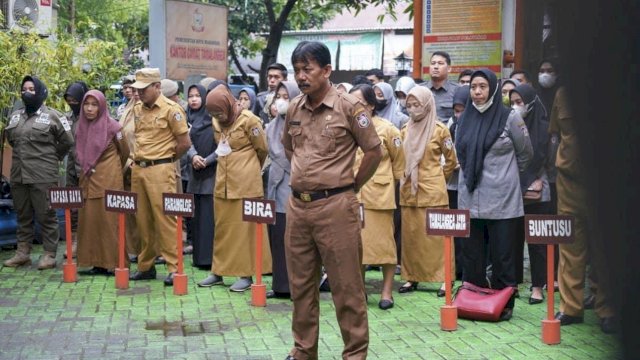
[259, 211]
[549, 230]
[180, 205]
[448, 223]
[67, 198]
[121, 202]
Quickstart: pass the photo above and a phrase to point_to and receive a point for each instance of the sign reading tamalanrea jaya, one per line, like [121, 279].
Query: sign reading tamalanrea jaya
[448, 222]
[196, 40]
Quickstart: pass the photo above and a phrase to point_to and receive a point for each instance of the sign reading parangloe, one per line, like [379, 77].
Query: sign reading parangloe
[259, 211]
[178, 204]
[65, 197]
[548, 229]
[120, 201]
[448, 222]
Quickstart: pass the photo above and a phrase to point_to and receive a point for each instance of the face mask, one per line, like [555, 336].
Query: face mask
[505, 100]
[546, 80]
[520, 109]
[484, 107]
[381, 104]
[416, 114]
[31, 101]
[282, 106]
[75, 108]
[403, 102]
[223, 148]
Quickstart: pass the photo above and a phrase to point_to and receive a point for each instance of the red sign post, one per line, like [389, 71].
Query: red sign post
[549, 230]
[448, 223]
[67, 198]
[121, 202]
[259, 211]
[180, 205]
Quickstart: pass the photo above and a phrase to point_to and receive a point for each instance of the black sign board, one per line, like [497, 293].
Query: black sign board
[548, 229]
[259, 211]
[120, 201]
[178, 204]
[65, 197]
[448, 222]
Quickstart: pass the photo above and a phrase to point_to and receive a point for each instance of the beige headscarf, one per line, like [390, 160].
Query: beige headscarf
[419, 132]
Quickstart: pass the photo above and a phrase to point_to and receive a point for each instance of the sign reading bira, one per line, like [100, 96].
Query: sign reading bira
[548, 229]
[178, 204]
[120, 201]
[448, 222]
[259, 211]
[65, 197]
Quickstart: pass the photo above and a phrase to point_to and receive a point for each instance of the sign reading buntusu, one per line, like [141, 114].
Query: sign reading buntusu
[259, 211]
[448, 222]
[178, 204]
[65, 197]
[548, 229]
[120, 201]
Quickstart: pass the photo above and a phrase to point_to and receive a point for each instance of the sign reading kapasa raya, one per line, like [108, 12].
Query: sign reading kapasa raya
[65, 197]
[548, 229]
[448, 222]
[259, 211]
[120, 201]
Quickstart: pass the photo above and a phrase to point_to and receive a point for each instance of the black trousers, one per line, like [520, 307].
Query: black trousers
[280, 275]
[202, 227]
[187, 220]
[457, 242]
[397, 224]
[537, 253]
[502, 252]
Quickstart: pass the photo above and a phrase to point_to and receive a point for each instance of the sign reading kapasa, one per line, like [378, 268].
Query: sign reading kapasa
[65, 197]
[259, 211]
[448, 222]
[178, 204]
[548, 229]
[120, 201]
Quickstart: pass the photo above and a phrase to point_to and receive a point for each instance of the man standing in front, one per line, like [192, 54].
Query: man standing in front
[161, 138]
[322, 133]
[440, 85]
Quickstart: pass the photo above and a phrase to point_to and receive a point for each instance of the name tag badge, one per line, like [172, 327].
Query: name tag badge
[14, 119]
[44, 119]
[362, 214]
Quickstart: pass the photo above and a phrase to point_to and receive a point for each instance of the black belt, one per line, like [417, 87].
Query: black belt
[317, 195]
[147, 163]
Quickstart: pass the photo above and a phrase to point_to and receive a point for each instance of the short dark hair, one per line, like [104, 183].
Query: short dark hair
[375, 72]
[307, 51]
[465, 72]
[444, 54]
[368, 93]
[278, 66]
[523, 72]
[360, 79]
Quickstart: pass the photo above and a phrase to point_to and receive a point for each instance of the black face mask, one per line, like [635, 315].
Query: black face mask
[75, 108]
[381, 104]
[31, 101]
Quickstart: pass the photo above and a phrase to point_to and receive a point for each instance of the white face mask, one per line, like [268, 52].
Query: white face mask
[546, 80]
[484, 107]
[282, 106]
[223, 148]
[520, 109]
[403, 102]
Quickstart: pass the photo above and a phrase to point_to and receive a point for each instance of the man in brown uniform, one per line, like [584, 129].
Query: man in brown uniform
[322, 133]
[572, 201]
[161, 138]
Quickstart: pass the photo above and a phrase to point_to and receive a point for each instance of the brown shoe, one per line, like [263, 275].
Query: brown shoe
[47, 261]
[21, 257]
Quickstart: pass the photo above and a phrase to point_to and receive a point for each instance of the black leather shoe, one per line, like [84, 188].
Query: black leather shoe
[277, 295]
[533, 301]
[385, 304]
[289, 357]
[168, 281]
[589, 302]
[408, 287]
[160, 260]
[506, 314]
[133, 259]
[144, 275]
[568, 319]
[441, 293]
[608, 325]
[94, 271]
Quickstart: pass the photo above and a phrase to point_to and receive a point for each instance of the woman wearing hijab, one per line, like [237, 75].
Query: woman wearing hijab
[102, 151]
[493, 146]
[526, 102]
[40, 138]
[278, 188]
[426, 141]
[507, 86]
[202, 157]
[403, 86]
[387, 106]
[344, 88]
[242, 150]
[378, 197]
[248, 100]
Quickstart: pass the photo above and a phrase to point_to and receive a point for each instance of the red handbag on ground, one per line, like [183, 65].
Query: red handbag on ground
[477, 303]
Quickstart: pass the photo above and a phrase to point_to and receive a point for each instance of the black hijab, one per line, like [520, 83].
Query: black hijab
[460, 97]
[33, 102]
[214, 84]
[548, 95]
[201, 132]
[76, 91]
[477, 132]
[537, 123]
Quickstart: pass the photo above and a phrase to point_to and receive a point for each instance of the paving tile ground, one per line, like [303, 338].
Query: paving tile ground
[43, 318]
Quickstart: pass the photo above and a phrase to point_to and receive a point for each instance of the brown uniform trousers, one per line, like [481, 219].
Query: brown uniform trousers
[128, 130]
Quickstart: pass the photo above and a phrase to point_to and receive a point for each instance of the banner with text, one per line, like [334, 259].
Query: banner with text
[196, 40]
[469, 30]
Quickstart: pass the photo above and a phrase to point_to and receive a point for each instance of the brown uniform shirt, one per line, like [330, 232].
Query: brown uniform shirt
[238, 174]
[567, 160]
[324, 140]
[107, 169]
[157, 127]
[379, 192]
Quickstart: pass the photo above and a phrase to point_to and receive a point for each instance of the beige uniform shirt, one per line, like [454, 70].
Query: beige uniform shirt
[156, 129]
[379, 192]
[432, 176]
[324, 140]
[238, 174]
[568, 157]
